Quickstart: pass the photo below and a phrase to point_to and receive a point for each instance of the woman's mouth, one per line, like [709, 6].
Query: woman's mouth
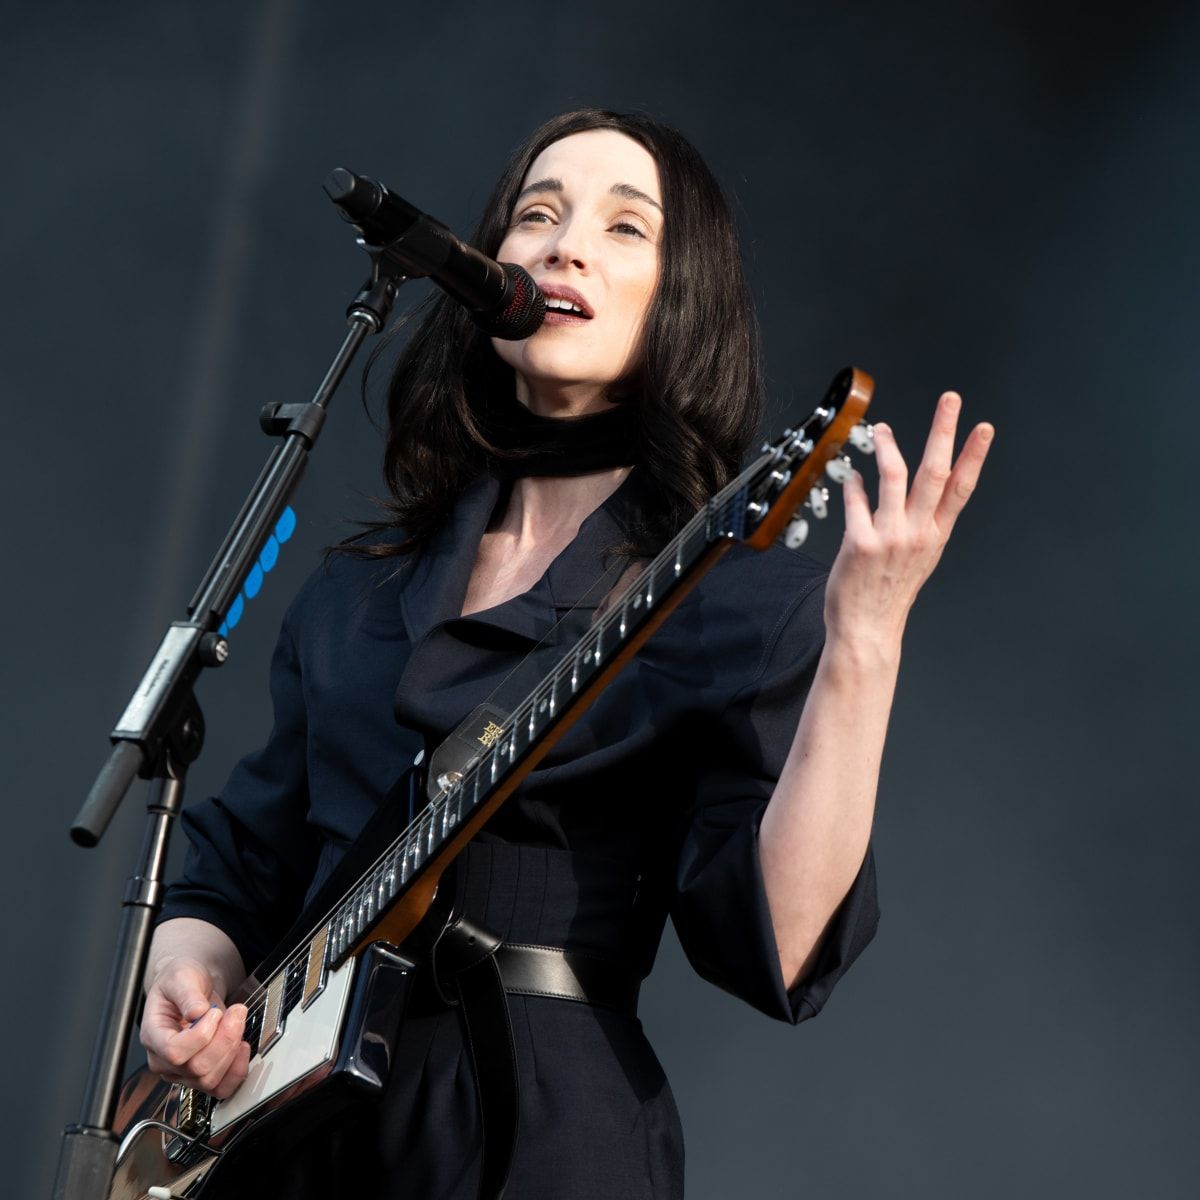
[565, 306]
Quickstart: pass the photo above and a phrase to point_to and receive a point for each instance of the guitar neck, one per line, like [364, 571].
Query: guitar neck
[456, 813]
[389, 899]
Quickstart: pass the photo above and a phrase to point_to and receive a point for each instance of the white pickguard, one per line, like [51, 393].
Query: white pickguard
[309, 1040]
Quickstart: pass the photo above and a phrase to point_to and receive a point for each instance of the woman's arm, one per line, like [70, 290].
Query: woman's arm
[814, 832]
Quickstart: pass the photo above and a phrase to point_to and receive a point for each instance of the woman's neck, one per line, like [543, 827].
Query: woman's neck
[551, 508]
[548, 399]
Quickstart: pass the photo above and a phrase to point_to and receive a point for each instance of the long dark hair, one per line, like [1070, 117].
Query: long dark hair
[699, 398]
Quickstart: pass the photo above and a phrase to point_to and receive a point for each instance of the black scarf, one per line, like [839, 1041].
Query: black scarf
[559, 445]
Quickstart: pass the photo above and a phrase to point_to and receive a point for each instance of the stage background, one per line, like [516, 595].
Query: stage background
[999, 198]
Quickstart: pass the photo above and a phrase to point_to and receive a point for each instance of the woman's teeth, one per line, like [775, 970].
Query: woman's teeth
[559, 305]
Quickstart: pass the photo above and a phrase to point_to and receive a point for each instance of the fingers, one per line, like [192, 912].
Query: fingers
[190, 1037]
[210, 1065]
[859, 524]
[893, 476]
[929, 483]
[218, 1065]
[965, 476]
[166, 1043]
[233, 1077]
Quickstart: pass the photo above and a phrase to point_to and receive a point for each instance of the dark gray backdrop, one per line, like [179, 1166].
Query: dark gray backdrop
[999, 198]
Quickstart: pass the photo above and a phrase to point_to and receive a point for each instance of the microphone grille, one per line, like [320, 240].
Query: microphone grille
[521, 315]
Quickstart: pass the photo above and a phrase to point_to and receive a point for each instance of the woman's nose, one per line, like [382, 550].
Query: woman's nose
[567, 248]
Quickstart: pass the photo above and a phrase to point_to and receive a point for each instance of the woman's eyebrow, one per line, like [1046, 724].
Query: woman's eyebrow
[542, 185]
[551, 184]
[631, 193]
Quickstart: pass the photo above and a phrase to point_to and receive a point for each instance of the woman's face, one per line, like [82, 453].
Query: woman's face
[587, 226]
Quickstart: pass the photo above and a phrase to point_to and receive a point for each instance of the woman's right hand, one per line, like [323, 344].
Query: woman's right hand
[190, 1037]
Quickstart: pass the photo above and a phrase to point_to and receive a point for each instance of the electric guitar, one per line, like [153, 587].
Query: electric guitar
[325, 1007]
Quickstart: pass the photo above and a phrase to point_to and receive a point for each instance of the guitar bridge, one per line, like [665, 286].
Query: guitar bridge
[192, 1126]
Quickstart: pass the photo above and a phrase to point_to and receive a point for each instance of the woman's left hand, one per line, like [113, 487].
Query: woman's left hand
[887, 555]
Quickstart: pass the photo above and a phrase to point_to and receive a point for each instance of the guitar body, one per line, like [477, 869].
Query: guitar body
[337, 1053]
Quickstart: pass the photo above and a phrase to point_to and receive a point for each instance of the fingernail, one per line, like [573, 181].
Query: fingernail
[881, 427]
[986, 433]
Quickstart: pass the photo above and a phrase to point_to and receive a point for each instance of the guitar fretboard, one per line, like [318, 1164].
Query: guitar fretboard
[726, 517]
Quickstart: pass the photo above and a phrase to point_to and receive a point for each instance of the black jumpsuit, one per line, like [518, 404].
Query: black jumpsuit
[648, 807]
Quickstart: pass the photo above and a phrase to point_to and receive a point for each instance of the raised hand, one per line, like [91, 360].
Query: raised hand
[887, 555]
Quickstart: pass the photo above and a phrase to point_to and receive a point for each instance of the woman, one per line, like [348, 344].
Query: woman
[727, 777]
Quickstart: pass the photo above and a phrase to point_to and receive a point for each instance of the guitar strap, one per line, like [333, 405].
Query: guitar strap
[468, 977]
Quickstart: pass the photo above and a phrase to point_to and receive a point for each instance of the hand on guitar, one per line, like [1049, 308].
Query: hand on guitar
[887, 556]
[190, 1036]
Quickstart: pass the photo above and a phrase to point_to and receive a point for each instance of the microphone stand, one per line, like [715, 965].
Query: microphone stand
[162, 731]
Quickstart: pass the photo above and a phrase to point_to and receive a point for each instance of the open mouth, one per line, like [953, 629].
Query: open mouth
[564, 305]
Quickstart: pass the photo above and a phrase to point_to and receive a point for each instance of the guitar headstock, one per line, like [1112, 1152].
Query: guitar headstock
[803, 457]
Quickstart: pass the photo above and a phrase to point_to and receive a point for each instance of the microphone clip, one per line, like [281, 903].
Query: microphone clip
[375, 298]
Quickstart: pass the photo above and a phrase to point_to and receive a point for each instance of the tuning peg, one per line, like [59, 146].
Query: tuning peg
[818, 501]
[796, 533]
[863, 437]
[839, 469]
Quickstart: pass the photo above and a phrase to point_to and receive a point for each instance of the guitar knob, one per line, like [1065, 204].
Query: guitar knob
[839, 469]
[796, 533]
[862, 437]
[818, 501]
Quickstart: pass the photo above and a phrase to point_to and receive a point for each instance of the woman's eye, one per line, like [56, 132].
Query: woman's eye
[533, 217]
[626, 227]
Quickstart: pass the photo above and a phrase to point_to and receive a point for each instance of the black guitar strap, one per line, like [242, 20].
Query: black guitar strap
[468, 977]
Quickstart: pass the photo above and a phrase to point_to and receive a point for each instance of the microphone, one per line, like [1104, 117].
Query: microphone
[501, 298]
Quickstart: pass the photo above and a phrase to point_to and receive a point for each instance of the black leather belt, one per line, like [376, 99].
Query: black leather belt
[567, 975]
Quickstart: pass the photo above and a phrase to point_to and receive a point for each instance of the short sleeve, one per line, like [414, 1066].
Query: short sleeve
[251, 852]
[719, 907]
